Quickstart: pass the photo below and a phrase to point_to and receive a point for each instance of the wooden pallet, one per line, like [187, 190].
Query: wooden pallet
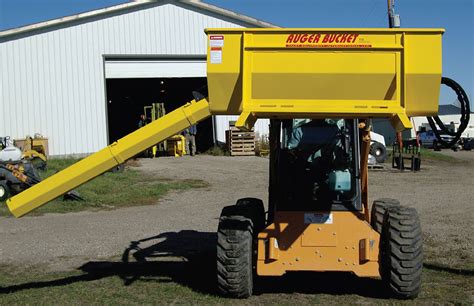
[240, 143]
[376, 167]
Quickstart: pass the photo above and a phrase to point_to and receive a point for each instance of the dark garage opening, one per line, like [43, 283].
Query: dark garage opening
[127, 97]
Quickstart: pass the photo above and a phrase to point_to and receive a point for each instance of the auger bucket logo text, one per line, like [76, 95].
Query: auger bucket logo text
[325, 40]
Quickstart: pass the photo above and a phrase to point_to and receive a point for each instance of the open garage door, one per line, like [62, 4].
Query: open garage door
[154, 68]
[132, 84]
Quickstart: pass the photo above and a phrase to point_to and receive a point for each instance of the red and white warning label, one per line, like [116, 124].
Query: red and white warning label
[216, 55]
[216, 43]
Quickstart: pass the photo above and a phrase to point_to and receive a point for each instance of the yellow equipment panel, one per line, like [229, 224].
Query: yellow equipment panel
[320, 73]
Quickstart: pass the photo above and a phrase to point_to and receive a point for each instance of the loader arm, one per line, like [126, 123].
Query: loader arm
[109, 157]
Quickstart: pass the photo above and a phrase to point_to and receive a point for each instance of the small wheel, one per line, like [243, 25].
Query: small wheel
[468, 145]
[379, 151]
[235, 256]
[401, 252]
[378, 211]
[4, 191]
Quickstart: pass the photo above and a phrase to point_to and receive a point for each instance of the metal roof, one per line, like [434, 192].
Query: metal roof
[142, 4]
[449, 109]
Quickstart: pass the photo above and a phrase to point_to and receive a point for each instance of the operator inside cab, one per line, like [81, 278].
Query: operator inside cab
[317, 163]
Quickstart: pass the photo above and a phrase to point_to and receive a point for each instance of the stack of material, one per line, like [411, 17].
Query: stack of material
[240, 142]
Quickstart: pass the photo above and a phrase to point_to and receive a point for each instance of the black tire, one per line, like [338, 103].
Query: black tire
[256, 212]
[39, 164]
[4, 191]
[401, 250]
[468, 145]
[378, 151]
[378, 211]
[235, 253]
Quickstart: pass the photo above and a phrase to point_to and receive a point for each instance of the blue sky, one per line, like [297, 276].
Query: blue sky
[456, 16]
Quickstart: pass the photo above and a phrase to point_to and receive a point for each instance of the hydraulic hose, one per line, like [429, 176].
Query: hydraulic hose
[436, 122]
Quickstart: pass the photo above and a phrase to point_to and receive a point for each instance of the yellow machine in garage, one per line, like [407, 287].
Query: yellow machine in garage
[174, 145]
[319, 87]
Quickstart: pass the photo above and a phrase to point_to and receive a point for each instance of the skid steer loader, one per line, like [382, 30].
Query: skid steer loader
[319, 87]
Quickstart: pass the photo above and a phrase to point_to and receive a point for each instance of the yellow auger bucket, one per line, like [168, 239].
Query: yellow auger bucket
[283, 73]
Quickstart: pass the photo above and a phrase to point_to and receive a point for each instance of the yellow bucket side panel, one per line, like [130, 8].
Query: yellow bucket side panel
[423, 74]
[226, 82]
[98, 163]
[347, 243]
[327, 76]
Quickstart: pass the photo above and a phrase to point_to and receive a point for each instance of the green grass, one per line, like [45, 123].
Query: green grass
[436, 156]
[167, 283]
[217, 151]
[427, 154]
[110, 190]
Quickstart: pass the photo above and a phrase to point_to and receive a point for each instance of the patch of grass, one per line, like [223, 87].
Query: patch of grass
[427, 154]
[433, 155]
[111, 285]
[262, 146]
[59, 288]
[110, 190]
[217, 151]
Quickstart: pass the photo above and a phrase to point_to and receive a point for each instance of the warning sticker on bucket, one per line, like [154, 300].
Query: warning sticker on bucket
[216, 41]
[216, 55]
[317, 218]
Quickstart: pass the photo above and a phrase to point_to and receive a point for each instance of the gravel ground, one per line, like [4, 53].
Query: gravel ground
[441, 192]
[443, 196]
[63, 241]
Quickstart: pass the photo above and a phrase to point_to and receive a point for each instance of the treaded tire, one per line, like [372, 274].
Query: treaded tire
[378, 151]
[378, 211]
[401, 252]
[4, 191]
[235, 256]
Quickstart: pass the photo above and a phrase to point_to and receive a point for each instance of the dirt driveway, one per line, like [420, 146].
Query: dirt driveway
[64, 241]
[442, 193]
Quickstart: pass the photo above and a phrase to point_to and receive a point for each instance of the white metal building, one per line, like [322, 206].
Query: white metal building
[63, 78]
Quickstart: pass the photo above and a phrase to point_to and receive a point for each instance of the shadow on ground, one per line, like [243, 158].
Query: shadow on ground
[188, 258]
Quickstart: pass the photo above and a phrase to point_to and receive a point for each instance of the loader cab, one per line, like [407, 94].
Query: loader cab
[314, 165]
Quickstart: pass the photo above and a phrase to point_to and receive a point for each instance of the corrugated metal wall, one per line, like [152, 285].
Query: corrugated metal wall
[52, 81]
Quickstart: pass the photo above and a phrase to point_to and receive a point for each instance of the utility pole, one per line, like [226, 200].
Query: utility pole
[394, 22]
[393, 19]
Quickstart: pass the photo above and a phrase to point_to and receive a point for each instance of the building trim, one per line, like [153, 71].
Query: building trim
[131, 6]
